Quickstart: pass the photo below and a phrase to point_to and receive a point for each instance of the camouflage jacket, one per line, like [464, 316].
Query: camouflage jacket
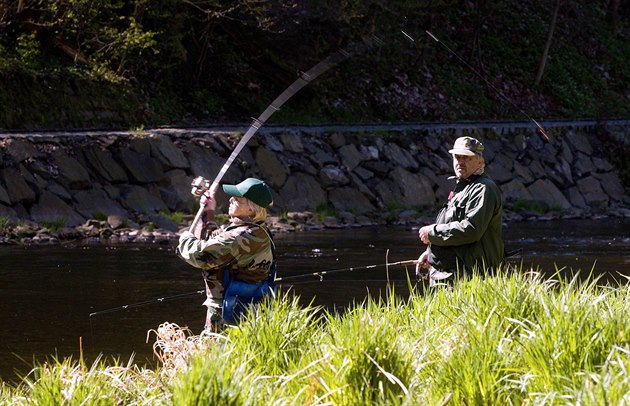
[471, 222]
[243, 247]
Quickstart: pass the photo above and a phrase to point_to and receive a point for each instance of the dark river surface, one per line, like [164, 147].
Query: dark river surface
[49, 292]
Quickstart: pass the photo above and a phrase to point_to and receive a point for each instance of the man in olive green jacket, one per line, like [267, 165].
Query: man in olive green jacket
[467, 231]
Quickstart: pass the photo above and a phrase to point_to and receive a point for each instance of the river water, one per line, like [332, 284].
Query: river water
[57, 299]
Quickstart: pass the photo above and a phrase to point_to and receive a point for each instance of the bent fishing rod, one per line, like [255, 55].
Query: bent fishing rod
[201, 185]
[486, 81]
[320, 275]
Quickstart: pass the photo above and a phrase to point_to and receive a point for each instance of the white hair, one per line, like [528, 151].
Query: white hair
[483, 165]
[260, 213]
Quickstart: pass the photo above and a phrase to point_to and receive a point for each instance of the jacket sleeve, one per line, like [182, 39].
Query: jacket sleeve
[214, 253]
[466, 220]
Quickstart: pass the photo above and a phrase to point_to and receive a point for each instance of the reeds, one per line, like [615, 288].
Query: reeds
[510, 339]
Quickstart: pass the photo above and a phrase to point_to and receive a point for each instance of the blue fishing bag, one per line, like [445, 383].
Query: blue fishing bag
[240, 295]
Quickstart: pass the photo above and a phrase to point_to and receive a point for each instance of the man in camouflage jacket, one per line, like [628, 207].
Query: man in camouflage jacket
[243, 247]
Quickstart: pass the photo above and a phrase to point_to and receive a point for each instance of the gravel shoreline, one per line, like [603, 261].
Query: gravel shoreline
[114, 231]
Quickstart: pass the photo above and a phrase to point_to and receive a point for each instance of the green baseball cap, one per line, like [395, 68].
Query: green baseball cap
[467, 146]
[253, 189]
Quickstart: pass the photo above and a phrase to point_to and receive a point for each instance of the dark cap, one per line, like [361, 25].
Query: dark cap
[467, 146]
[253, 189]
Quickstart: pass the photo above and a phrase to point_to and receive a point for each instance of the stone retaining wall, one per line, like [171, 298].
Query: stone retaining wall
[140, 177]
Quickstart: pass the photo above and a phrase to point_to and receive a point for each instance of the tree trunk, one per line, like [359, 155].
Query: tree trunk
[68, 50]
[612, 16]
[543, 60]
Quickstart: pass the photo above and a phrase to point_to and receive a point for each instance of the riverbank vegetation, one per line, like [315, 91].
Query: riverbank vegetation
[517, 338]
[135, 63]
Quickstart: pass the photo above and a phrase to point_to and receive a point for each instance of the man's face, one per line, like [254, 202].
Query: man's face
[466, 165]
[239, 208]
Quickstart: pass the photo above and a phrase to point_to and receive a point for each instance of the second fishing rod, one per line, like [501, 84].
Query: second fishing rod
[318, 275]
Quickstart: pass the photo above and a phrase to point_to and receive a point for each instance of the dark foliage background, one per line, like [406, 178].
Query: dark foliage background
[128, 63]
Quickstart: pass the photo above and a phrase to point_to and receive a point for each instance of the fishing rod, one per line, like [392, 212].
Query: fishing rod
[299, 83]
[319, 274]
[201, 185]
[147, 302]
[436, 39]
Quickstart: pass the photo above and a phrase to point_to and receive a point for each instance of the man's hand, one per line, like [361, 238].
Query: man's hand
[424, 234]
[422, 266]
[207, 199]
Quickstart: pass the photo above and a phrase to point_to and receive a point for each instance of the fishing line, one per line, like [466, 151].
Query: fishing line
[147, 302]
[291, 284]
[486, 81]
[319, 274]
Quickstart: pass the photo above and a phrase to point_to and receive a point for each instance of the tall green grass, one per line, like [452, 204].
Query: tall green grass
[516, 338]
[70, 382]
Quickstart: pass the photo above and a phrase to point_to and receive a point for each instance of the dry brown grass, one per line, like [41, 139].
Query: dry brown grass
[174, 345]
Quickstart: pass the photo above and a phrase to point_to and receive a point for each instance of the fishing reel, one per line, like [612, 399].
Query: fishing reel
[200, 185]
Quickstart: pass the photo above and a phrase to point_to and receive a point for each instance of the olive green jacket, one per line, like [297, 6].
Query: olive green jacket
[471, 222]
